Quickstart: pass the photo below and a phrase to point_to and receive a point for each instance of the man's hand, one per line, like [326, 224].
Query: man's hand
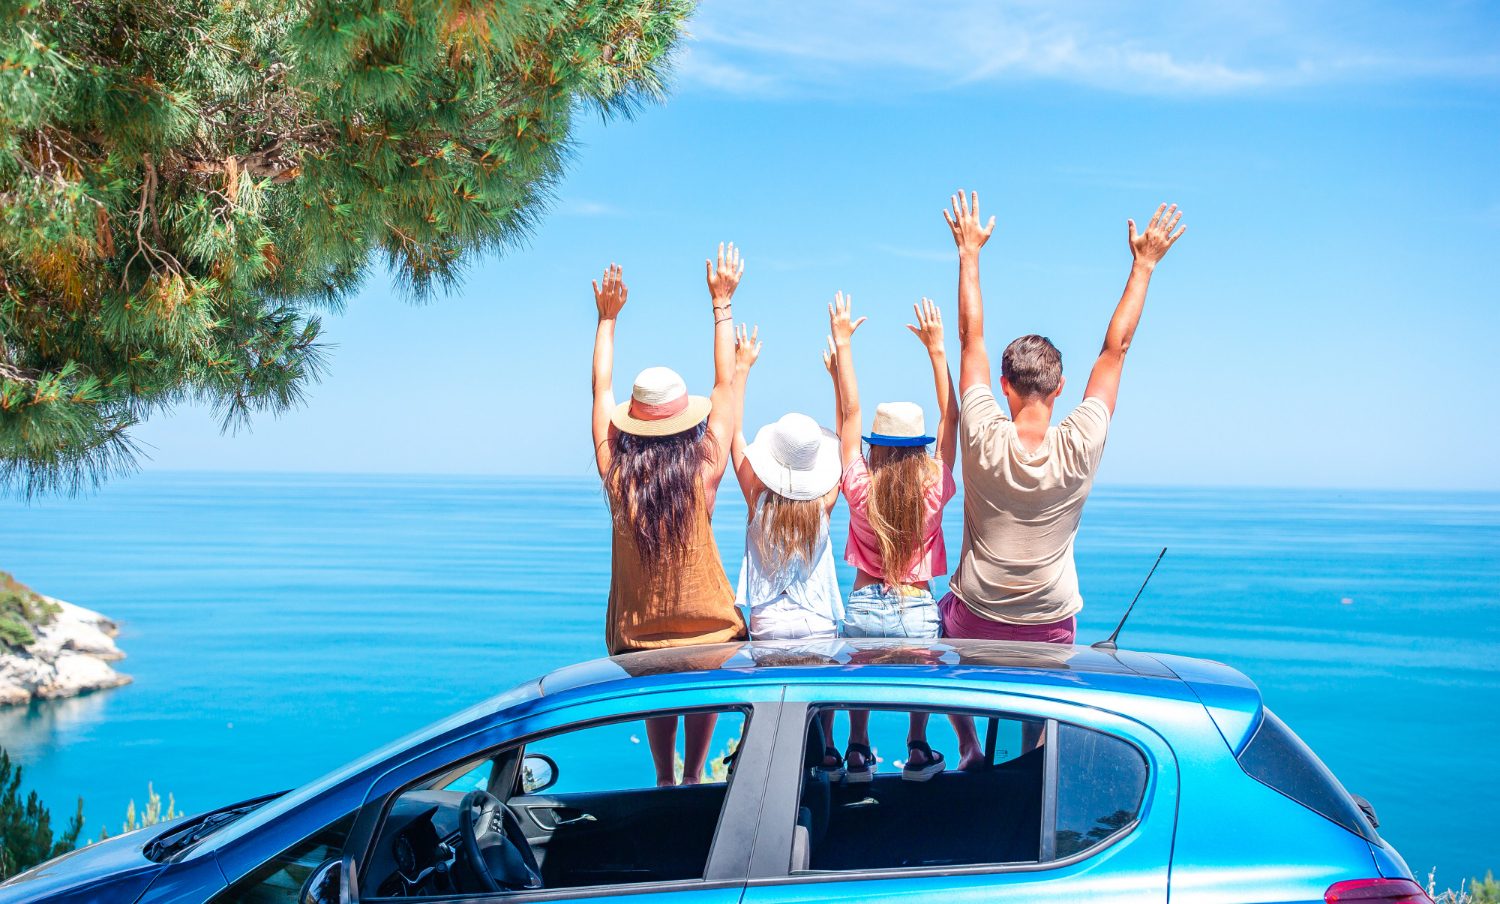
[929, 327]
[963, 220]
[839, 319]
[746, 347]
[1149, 247]
[724, 278]
[611, 297]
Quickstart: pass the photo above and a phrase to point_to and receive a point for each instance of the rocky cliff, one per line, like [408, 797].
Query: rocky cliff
[69, 654]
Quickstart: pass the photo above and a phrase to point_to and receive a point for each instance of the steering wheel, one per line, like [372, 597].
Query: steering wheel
[492, 845]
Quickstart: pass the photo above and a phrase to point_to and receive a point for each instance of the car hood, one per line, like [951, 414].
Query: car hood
[112, 870]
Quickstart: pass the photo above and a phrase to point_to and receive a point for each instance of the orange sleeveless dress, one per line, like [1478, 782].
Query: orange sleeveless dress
[692, 605]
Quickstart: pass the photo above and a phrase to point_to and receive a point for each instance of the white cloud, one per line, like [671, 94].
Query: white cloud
[780, 47]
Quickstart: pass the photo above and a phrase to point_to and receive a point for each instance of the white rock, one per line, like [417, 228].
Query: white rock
[71, 656]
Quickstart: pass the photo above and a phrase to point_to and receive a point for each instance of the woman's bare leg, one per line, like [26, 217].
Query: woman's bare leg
[970, 753]
[661, 735]
[859, 733]
[698, 731]
[917, 732]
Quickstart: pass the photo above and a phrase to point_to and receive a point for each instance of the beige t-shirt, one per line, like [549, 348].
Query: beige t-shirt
[1021, 510]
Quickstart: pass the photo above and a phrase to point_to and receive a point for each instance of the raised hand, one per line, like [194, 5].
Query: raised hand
[929, 326]
[963, 220]
[1149, 247]
[839, 318]
[610, 298]
[724, 278]
[831, 359]
[746, 347]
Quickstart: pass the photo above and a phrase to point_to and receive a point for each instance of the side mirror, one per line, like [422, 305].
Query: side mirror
[538, 773]
[324, 885]
[332, 882]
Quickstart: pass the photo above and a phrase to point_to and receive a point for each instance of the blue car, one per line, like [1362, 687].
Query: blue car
[1105, 776]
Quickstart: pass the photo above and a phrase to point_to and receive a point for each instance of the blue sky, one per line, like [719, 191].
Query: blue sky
[1330, 319]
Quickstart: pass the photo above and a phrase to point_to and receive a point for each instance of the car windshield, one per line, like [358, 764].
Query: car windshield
[531, 690]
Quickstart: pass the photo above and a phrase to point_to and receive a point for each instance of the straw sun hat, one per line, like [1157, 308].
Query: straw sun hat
[898, 424]
[796, 458]
[659, 405]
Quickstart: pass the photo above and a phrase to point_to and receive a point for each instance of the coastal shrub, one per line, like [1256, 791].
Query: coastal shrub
[26, 836]
[1476, 891]
[21, 609]
[149, 816]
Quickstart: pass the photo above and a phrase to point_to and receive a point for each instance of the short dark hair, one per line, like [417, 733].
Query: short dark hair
[1033, 365]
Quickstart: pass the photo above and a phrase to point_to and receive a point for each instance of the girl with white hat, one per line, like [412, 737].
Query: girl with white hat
[790, 478]
[896, 500]
[661, 456]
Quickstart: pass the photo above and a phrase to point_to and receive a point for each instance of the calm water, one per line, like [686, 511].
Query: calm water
[279, 626]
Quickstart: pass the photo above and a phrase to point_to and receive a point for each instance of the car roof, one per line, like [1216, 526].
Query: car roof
[1231, 699]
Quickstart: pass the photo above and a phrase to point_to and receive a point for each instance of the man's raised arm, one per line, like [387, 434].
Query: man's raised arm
[969, 236]
[1146, 250]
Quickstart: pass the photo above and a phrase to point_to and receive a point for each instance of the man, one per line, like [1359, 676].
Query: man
[1025, 481]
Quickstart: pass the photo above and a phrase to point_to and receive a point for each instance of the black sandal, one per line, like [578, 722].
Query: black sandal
[927, 770]
[864, 772]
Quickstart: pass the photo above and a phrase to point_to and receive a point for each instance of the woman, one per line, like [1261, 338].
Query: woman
[661, 456]
[896, 500]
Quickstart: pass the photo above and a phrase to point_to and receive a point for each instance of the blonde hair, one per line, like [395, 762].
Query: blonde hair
[789, 528]
[899, 479]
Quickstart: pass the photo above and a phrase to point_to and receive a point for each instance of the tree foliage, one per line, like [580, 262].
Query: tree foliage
[26, 837]
[186, 184]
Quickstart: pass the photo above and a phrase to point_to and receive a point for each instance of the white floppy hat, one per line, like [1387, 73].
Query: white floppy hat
[659, 405]
[898, 424]
[796, 458]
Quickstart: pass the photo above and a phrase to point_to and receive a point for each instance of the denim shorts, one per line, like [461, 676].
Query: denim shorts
[881, 611]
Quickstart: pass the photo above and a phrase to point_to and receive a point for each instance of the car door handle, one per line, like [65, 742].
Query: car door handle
[576, 820]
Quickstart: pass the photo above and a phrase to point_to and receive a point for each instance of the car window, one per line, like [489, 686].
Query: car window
[618, 756]
[989, 814]
[993, 812]
[278, 880]
[585, 810]
[477, 777]
[1100, 783]
[1276, 757]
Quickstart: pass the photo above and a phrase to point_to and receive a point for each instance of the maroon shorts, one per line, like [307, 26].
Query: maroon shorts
[960, 621]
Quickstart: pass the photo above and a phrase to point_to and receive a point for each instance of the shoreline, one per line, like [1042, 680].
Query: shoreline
[71, 655]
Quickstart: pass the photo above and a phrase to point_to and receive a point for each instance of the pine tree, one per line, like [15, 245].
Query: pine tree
[186, 184]
[26, 837]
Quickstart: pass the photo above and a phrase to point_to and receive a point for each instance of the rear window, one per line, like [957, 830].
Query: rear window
[1277, 758]
[1100, 783]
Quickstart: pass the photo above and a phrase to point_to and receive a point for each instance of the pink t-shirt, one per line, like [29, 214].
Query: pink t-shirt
[863, 550]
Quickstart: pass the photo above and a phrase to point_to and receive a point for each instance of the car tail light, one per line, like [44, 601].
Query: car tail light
[1391, 891]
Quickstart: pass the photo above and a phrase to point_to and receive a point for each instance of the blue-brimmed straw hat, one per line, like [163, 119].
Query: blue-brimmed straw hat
[898, 424]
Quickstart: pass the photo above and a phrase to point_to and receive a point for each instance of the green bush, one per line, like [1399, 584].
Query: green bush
[21, 609]
[26, 837]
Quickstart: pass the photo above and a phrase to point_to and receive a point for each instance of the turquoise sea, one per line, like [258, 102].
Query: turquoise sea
[278, 626]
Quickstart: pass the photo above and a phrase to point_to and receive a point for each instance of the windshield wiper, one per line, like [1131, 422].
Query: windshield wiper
[190, 833]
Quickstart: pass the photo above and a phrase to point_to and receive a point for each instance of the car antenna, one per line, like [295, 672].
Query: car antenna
[1110, 643]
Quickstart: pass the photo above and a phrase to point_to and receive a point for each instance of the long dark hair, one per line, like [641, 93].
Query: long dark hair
[654, 484]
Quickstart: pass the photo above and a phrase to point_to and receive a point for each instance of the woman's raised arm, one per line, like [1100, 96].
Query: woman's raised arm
[723, 279]
[609, 299]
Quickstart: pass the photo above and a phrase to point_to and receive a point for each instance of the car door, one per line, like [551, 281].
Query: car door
[1103, 834]
[588, 831]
